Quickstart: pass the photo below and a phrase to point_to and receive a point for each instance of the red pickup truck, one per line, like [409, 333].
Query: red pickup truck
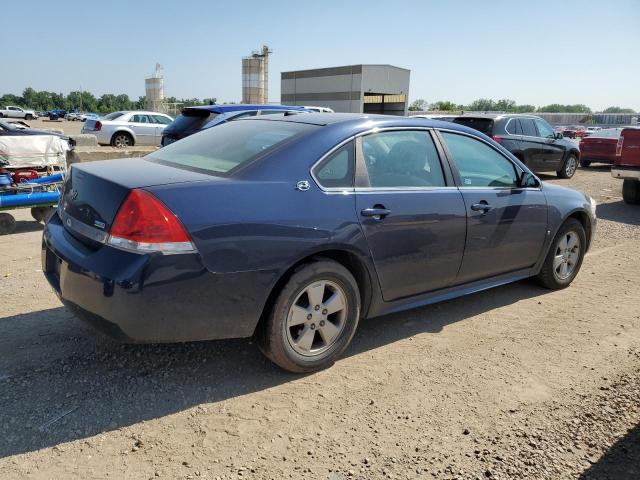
[627, 164]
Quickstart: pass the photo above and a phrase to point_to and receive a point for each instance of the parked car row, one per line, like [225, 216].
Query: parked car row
[366, 215]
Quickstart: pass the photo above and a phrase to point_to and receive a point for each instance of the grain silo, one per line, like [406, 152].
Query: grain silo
[154, 90]
[255, 77]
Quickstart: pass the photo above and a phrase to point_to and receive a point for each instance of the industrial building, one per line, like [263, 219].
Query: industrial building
[255, 77]
[352, 88]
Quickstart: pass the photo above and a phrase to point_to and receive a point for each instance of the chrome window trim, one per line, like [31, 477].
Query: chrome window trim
[358, 151]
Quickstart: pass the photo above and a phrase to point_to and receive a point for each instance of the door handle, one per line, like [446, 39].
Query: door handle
[375, 212]
[481, 207]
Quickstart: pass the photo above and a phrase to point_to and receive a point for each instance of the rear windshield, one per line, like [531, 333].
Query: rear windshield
[192, 120]
[228, 146]
[113, 116]
[606, 133]
[484, 125]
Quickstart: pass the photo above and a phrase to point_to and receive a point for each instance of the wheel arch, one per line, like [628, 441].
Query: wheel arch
[124, 130]
[347, 258]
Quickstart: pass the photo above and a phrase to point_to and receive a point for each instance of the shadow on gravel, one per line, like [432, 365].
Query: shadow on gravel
[621, 462]
[619, 212]
[23, 226]
[61, 382]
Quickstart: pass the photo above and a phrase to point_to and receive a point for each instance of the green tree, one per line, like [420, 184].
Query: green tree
[618, 110]
[418, 105]
[481, 105]
[444, 106]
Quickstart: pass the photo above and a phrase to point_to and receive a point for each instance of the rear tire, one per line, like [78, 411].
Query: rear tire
[313, 319]
[121, 140]
[7, 223]
[565, 256]
[631, 191]
[569, 167]
[585, 163]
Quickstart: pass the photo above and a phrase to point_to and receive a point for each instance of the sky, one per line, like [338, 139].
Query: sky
[538, 52]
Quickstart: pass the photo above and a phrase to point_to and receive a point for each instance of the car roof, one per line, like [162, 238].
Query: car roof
[495, 116]
[355, 119]
[242, 106]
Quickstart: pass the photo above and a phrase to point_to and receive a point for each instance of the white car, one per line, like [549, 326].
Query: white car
[125, 129]
[319, 109]
[17, 112]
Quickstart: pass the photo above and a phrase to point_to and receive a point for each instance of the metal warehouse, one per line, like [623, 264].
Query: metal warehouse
[352, 88]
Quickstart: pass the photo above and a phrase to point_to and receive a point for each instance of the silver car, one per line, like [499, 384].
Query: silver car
[125, 129]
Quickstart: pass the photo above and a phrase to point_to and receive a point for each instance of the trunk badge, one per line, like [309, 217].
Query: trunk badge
[99, 224]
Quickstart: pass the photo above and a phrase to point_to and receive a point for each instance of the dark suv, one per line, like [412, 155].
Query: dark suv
[529, 138]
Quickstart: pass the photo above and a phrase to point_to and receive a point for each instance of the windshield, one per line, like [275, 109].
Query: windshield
[113, 116]
[228, 146]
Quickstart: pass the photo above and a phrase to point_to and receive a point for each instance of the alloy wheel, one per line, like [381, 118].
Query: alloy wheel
[567, 255]
[316, 318]
[121, 141]
[571, 166]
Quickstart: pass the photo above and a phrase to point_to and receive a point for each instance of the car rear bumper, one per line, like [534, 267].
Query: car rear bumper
[625, 172]
[150, 298]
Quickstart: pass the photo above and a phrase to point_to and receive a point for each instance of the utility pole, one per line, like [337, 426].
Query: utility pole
[80, 97]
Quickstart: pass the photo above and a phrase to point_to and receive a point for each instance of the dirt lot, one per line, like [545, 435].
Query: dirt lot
[65, 126]
[516, 382]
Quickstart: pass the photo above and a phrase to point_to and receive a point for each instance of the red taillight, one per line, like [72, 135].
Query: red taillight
[97, 126]
[619, 146]
[497, 138]
[144, 224]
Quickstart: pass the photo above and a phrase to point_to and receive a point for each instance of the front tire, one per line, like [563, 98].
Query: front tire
[28, 117]
[569, 167]
[565, 256]
[631, 191]
[313, 319]
[121, 140]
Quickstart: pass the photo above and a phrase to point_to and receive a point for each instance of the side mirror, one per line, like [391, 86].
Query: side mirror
[527, 180]
[558, 135]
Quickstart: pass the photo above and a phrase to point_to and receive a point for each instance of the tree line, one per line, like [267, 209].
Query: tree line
[506, 105]
[87, 101]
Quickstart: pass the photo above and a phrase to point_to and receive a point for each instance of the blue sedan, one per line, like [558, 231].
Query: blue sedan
[294, 227]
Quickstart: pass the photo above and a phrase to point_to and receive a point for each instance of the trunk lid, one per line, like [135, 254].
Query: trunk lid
[94, 191]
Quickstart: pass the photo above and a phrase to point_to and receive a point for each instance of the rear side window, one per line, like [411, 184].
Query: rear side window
[513, 127]
[402, 159]
[336, 171]
[228, 146]
[161, 119]
[484, 125]
[479, 164]
[528, 127]
[113, 116]
[192, 120]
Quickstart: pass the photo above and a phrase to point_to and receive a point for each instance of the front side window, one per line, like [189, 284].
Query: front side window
[402, 159]
[228, 146]
[479, 164]
[336, 171]
[544, 129]
[528, 127]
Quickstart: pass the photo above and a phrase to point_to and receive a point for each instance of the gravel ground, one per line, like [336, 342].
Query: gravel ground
[515, 382]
